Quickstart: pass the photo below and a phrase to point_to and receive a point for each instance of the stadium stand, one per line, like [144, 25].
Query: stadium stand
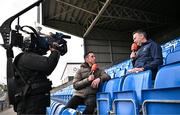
[133, 92]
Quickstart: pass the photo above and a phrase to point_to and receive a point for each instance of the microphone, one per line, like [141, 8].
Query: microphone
[134, 47]
[94, 68]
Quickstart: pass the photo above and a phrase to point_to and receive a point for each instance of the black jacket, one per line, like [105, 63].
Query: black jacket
[35, 68]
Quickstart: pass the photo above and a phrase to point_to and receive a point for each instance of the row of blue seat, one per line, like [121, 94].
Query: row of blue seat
[170, 46]
[127, 99]
[120, 69]
[136, 89]
[121, 88]
[174, 45]
[63, 95]
[57, 108]
[126, 95]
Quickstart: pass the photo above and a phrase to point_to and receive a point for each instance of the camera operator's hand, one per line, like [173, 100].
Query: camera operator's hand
[54, 46]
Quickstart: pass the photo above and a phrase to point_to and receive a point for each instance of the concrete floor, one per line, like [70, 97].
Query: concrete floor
[9, 111]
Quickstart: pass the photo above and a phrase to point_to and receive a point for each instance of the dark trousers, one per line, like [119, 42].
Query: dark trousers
[89, 101]
[33, 105]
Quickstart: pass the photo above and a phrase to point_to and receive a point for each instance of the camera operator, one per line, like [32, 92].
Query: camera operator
[33, 86]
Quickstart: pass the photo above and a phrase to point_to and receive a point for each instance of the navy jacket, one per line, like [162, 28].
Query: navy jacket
[149, 56]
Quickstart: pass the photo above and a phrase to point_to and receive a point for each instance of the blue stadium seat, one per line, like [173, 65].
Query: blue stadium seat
[69, 111]
[102, 86]
[81, 108]
[125, 103]
[120, 73]
[165, 97]
[177, 48]
[129, 99]
[59, 109]
[127, 64]
[173, 57]
[166, 50]
[48, 109]
[54, 107]
[111, 73]
[168, 76]
[104, 99]
[164, 101]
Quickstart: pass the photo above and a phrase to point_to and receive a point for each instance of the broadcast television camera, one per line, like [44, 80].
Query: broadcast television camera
[37, 42]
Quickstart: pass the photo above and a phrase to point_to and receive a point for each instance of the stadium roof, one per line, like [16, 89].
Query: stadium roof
[86, 18]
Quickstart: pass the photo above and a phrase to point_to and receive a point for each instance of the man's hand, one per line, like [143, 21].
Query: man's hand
[133, 55]
[95, 83]
[91, 78]
[136, 70]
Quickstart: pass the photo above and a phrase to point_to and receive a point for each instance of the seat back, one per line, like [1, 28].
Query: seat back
[177, 47]
[49, 109]
[168, 76]
[138, 81]
[125, 103]
[114, 85]
[60, 108]
[54, 107]
[162, 108]
[126, 64]
[173, 57]
[111, 73]
[166, 50]
[102, 86]
[120, 73]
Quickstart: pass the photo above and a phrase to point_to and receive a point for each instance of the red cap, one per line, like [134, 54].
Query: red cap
[134, 47]
[94, 67]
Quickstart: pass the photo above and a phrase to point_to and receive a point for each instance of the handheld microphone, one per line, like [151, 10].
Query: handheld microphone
[93, 68]
[134, 47]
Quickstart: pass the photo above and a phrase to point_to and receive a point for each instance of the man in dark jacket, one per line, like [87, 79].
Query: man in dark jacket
[148, 56]
[33, 87]
[86, 85]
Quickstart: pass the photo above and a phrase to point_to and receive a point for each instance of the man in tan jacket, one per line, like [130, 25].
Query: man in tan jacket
[86, 83]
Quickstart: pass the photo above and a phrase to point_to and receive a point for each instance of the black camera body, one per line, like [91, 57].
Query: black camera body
[59, 39]
[37, 42]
